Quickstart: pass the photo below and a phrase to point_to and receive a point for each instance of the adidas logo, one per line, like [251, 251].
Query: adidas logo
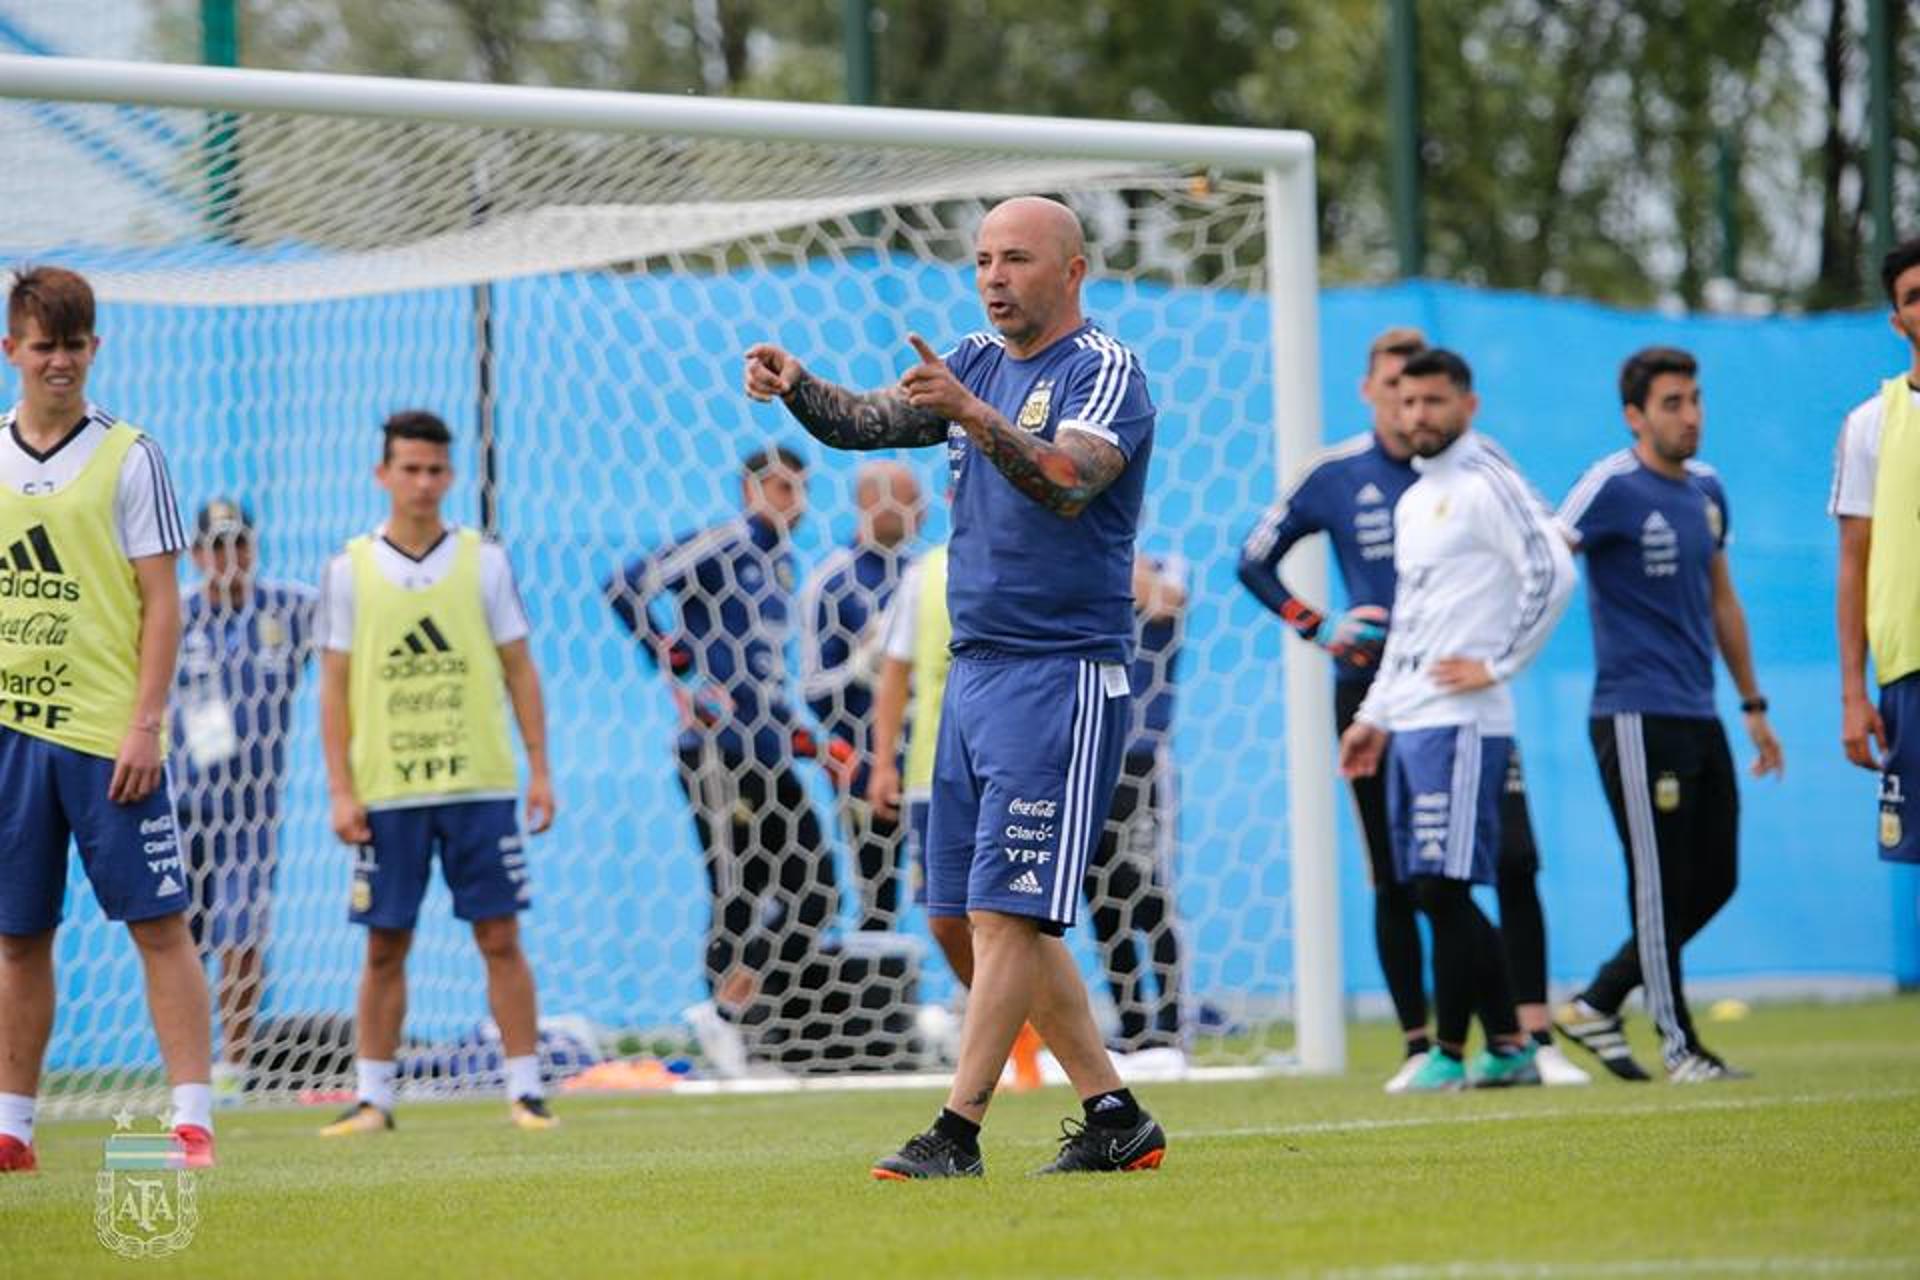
[1432, 851]
[1025, 882]
[168, 885]
[31, 570]
[423, 651]
[1369, 493]
[1657, 523]
[425, 636]
[35, 551]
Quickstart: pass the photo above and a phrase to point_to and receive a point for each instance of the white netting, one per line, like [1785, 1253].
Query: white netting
[275, 285]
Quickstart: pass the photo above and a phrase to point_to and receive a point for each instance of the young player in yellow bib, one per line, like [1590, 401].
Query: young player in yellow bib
[421, 628]
[1876, 491]
[89, 627]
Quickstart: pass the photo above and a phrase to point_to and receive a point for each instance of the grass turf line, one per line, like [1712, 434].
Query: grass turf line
[1805, 1170]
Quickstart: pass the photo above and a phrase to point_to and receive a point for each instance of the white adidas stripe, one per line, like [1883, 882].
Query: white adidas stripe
[1089, 799]
[1066, 884]
[1109, 386]
[1649, 907]
[1464, 816]
[1588, 486]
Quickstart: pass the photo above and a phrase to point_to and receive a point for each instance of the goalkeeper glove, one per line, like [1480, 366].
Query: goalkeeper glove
[1358, 638]
[836, 755]
[1303, 618]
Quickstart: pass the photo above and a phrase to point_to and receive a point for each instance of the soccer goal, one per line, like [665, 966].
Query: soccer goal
[569, 278]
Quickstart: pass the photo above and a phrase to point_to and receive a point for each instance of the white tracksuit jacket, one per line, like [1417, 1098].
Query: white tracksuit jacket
[1482, 572]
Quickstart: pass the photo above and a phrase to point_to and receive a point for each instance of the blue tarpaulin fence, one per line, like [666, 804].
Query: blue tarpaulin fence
[619, 419]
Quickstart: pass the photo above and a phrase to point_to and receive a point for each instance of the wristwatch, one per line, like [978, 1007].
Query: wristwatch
[1755, 705]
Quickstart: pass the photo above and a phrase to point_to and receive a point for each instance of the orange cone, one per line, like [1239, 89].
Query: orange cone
[1026, 1058]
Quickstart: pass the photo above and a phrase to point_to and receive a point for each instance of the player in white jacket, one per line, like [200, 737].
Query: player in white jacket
[1483, 576]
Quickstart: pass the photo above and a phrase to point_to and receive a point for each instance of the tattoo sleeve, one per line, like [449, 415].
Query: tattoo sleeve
[1063, 476]
[847, 419]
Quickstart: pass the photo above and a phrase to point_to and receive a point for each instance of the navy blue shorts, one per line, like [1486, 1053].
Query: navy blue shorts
[1900, 774]
[55, 795]
[482, 857]
[1443, 802]
[230, 869]
[1023, 776]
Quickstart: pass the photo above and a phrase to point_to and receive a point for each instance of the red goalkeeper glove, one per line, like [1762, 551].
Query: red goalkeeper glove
[679, 659]
[836, 755]
[1303, 618]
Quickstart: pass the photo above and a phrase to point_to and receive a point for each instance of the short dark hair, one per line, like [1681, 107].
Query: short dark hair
[1438, 361]
[412, 424]
[1904, 257]
[222, 520]
[61, 300]
[1401, 340]
[761, 461]
[1648, 363]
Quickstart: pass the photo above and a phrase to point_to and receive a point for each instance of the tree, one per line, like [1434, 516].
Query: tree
[1571, 146]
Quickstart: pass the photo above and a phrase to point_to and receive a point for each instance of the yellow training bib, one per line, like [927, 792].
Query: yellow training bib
[1893, 563]
[70, 609]
[425, 686]
[932, 638]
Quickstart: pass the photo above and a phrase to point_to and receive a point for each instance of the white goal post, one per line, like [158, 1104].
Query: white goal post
[204, 202]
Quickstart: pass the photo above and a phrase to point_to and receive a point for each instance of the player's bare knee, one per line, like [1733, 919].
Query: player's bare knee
[26, 949]
[387, 950]
[162, 934]
[498, 939]
[952, 933]
[994, 928]
[955, 938]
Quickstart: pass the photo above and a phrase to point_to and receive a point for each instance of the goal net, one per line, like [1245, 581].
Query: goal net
[569, 280]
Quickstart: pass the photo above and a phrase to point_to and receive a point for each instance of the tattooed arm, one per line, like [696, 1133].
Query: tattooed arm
[836, 416]
[1062, 476]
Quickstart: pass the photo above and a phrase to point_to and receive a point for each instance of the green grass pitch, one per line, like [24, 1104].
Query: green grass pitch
[1810, 1169]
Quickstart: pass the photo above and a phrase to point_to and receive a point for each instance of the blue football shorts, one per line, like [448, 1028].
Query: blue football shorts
[1023, 776]
[1443, 802]
[56, 795]
[482, 858]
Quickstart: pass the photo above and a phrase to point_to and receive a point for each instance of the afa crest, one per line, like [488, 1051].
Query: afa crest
[1666, 792]
[1889, 828]
[272, 631]
[1716, 521]
[1039, 402]
[145, 1204]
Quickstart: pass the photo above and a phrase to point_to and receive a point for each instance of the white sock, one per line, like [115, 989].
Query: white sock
[523, 1077]
[16, 1116]
[376, 1082]
[193, 1104]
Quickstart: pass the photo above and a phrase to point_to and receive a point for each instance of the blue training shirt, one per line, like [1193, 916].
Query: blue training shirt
[731, 586]
[840, 610]
[1649, 542]
[1156, 669]
[1021, 579]
[1347, 493]
[248, 660]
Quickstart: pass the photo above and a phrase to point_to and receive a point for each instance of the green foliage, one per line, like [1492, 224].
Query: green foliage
[1571, 146]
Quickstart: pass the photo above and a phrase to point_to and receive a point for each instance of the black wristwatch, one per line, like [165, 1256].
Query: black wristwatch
[1756, 705]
